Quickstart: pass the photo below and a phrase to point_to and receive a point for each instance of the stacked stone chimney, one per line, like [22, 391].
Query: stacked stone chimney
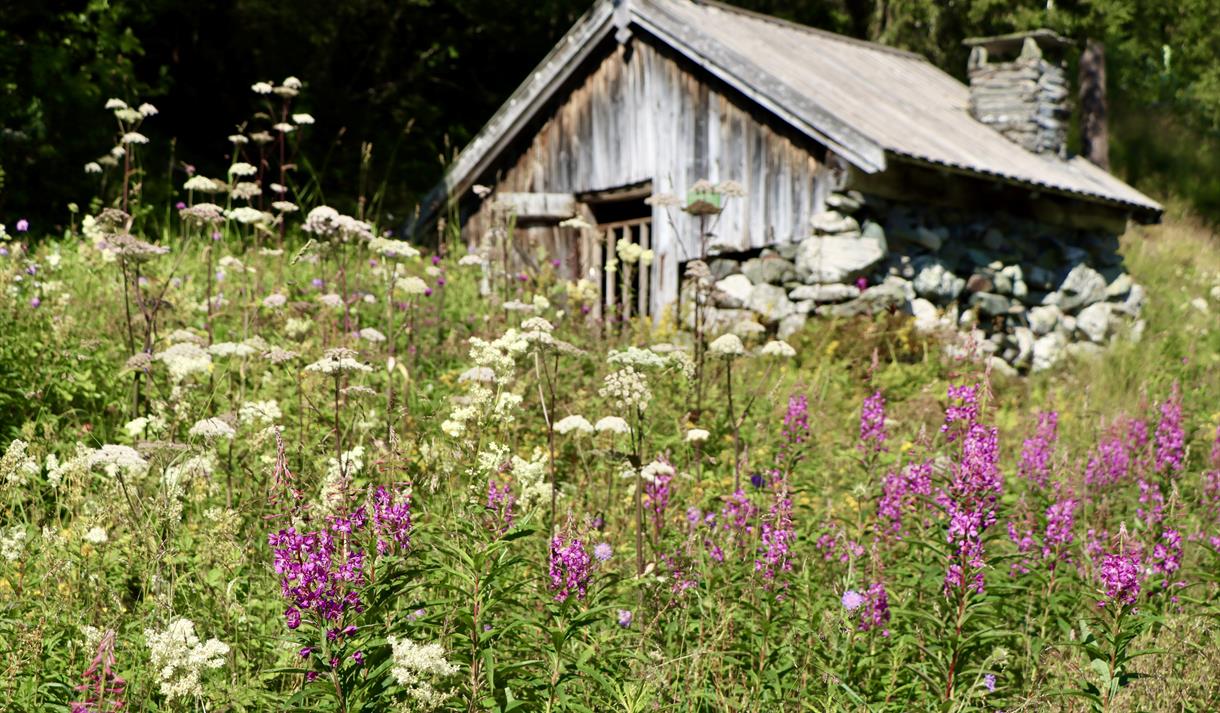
[1018, 86]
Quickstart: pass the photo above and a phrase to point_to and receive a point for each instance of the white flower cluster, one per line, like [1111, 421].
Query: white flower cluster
[185, 358]
[16, 466]
[259, 412]
[393, 248]
[249, 216]
[179, 658]
[777, 348]
[631, 253]
[198, 467]
[210, 429]
[203, 184]
[696, 435]
[627, 388]
[372, 334]
[339, 472]
[115, 459]
[656, 469]
[96, 536]
[414, 664]
[12, 543]
[580, 424]
[231, 349]
[411, 285]
[337, 361]
[637, 358]
[727, 345]
[612, 424]
[326, 222]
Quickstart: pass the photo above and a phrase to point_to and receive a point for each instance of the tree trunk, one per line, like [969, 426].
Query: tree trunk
[1094, 133]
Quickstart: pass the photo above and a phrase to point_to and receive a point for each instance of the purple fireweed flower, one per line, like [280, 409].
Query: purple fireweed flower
[500, 501]
[795, 431]
[358, 657]
[656, 494]
[1120, 577]
[1109, 464]
[1151, 497]
[900, 491]
[875, 611]
[679, 572]
[320, 570]
[603, 552]
[828, 544]
[1060, 519]
[1170, 437]
[624, 618]
[1036, 453]
[872, 424]
[102, 690]
[970, 501]
[1166, 557]
[963, 408]
[311, 676]
[305, 652]
[735, 527]
[569, 568]
[777, 537]
[852, 600]
[391, 519]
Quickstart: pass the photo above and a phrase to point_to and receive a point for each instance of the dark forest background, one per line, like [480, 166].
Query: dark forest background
[415, 79]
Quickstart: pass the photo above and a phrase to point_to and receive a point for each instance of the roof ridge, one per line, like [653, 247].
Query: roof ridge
[771, 19]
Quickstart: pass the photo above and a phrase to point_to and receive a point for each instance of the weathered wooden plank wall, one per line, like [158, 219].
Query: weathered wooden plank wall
[641, 116]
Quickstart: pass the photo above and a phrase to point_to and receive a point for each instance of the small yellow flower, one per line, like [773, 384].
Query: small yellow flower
[832, 348]
[906, 446]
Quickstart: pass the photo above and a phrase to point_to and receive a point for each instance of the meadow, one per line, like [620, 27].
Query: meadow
[262, 454]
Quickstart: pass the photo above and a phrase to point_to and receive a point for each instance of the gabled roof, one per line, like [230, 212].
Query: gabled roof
[867, 102]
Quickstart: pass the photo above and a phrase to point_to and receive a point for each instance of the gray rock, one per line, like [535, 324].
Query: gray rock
[1039, 277]
[771, 303]
[926, 317]
[722, 268]
[873, 231]
[934, 281]
[804, 306]
[979, 283]
[734, 291]
[1084, 351]
[1068, 325]
[993, 239]
[1010, 282]
[788, 250]
[999, 366]
[1048, 350]
[1044, 319]
[771, 269]
[718, 320]
[1120, 287]
[875, 299]
[832, 222]
[1134, 304]
[836, 258]
[1094, 322]
[825, 293]
[1024, 337]
[790, 325]
[990, 304]
[930, 239]
[1082, 287]
[846, 203]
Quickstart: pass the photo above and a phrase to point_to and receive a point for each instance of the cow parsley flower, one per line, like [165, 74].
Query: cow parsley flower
[335, 361]
[302, 119]
[696, 435]
[259, 412]
[568, 424]
[612, 424]
[627, 389]
[96, 536]
[134, 137]
[241, 168]
[261, 87]
[211, 429]
[778, 348]
[115, 459]
[727, 345]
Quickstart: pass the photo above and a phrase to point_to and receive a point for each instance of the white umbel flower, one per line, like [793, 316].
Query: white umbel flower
[259, 412]
[211, 429]
[778, 348]
[612, 424]
[627, 388]
[568, 424]
[411, 285]
[134, 137]
[241, 168]
[116, 104]
[336, 361]
[179, 658]
[96, 536]
[302, 119]
[728, 345]
[371, 334]
[115, 459]
[261, 87]
[393, 248]
[696, 435]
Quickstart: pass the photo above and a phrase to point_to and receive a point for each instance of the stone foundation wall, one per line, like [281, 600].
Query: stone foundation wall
[1021, 294]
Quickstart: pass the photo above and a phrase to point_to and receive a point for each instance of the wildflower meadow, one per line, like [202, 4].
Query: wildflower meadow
[264, 454]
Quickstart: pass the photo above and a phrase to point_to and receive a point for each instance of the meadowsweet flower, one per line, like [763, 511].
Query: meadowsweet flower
[96, 536]
[696, 435]
[612, 424]
[12, 543]
[335, 361]
[727, 345]
[569, 568]
[17, 465]
[416, 667]
[179, 658]
[568, 424]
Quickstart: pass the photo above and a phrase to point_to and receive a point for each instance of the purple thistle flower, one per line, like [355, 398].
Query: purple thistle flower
[872, 424]
[603, 552]
[1170, 437]
[317, 282]
[35, 302]
[989, 682]
[180, 205]
[23, 225]
[625, 618]
[1036, 453]
[436, 259]
[569, 568]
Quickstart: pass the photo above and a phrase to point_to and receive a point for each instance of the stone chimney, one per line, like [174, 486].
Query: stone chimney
[1018, 86]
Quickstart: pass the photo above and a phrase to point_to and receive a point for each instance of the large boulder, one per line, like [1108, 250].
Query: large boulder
[771, 269]
[825, 293]
[832, 222]
[1082, 287]
[734, 291]
[790, 325]
[934, 281]
[927, 319]
[837, 258]
[1044, 318]
[1048, 350]
[1094, 322]
[723, 267]
[770, 303]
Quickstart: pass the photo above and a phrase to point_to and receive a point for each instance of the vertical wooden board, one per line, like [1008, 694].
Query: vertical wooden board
[645, 242]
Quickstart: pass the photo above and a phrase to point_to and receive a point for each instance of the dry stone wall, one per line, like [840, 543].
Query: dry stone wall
[1021, 294]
